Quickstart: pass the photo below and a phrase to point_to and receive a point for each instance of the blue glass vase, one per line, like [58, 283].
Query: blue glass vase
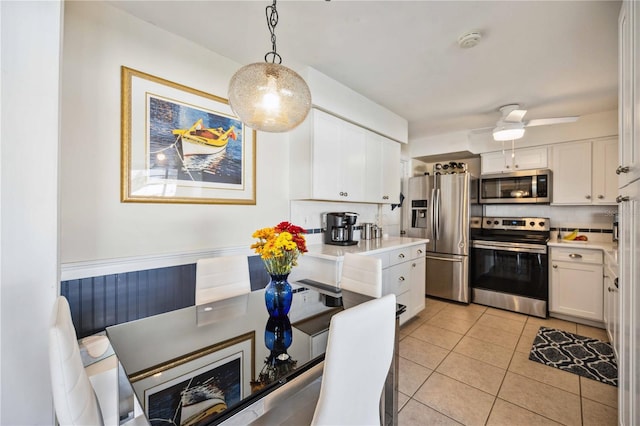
[278, 296]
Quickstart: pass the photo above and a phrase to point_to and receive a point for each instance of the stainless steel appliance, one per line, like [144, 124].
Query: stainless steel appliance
[509, 264]
[615, 227]
[439, 209]
[339, 230]
[527, 186]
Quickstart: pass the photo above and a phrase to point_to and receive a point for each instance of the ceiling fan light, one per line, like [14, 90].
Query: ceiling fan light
[269, 97]
[507, 133]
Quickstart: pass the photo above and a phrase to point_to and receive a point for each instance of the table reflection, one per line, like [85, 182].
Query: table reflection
[278, 337]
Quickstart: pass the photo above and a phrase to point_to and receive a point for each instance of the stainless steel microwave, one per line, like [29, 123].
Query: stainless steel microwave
[526, 186]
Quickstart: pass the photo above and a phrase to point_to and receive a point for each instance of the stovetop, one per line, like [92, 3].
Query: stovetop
[532, 230]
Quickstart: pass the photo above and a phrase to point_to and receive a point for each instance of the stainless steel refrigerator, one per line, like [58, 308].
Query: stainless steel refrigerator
[439, 208]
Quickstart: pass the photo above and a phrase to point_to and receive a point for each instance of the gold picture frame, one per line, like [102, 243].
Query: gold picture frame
[182, 145]
[225, 368]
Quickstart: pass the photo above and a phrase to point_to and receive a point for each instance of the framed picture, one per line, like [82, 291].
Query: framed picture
[182, 145]
[190, 389]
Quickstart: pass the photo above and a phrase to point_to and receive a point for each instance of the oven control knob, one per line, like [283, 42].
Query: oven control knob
[495, 222]
[541, 223]
[532, 224]
[488, 222]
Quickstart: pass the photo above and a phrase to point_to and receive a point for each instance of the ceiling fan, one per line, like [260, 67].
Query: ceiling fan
[511, 127]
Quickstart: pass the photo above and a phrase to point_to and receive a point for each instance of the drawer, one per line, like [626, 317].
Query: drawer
[397, 279]
[576, 255]
[406, 253]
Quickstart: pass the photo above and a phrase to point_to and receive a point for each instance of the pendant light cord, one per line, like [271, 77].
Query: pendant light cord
[272, 21]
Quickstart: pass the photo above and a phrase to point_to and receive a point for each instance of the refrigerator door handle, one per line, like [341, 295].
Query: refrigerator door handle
[437, 215]
[433, 213]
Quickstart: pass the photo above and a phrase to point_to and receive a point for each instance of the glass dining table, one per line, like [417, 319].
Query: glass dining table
[205, 364]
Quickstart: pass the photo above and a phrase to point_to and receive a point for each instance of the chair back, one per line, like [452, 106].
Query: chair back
[73, 396]
[222, 277]
[357, 360]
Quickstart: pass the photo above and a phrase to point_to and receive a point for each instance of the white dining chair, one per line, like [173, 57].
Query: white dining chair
[221, 277]
[357, 360]
[361, 279]
[79, 399]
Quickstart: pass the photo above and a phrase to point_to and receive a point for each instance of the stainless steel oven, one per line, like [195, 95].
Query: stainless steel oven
[509, 264]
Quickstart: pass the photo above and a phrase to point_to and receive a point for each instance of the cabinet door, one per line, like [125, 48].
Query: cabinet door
[605, 180]
[628, 97]
[572, 173]
[493, 162]
[417, 278]
[530, 158]
[373, 178]
[576, 290]
[390, 171]
[326, 181]
[351, 154]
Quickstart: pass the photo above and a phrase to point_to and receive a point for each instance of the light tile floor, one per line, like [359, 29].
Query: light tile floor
[469, 364]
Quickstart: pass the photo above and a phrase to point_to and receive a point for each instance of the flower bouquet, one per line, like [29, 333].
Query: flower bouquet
[279, 248]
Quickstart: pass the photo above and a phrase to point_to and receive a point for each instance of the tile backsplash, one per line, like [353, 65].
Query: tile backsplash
[310, 215]
[571, 217]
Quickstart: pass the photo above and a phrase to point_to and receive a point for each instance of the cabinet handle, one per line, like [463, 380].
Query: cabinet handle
[419, 251]
[507, 167]
[610, 290]
[555, 266]
[600, 197]
[516, 166]
[346, 194]
[575, 256]
[385, 197]
[620, 198]
[413, 265]
[588, 197]
[622, 169]
[401, 279]
[401, 256]
[615, 282]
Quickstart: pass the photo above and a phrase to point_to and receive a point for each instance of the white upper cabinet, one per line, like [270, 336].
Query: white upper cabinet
[514, 159]
[584, 172]
[382, 169]
[629, 83]
[332, 159]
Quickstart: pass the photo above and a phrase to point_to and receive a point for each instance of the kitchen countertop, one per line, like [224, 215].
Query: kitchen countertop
[332, 252]
[609, 248]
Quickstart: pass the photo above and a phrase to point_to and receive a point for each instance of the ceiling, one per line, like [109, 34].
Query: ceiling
[554, 58]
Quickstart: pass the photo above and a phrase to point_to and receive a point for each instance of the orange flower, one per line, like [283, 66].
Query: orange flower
[280, 246]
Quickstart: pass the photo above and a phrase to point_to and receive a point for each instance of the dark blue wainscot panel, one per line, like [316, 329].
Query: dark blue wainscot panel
[99, 302]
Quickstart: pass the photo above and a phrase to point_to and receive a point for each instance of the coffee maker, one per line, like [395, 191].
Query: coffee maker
[339, 230]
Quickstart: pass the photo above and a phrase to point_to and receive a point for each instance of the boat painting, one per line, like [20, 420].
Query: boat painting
[198, 140]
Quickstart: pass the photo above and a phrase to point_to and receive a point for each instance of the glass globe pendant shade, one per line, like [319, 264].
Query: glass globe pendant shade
[269, 97]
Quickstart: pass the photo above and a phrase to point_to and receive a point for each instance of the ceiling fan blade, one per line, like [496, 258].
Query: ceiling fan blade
[549, 121]
[515, 116]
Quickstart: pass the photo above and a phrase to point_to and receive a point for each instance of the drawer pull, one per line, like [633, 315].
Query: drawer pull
[611, 290]
[419, 251]
[575, 256]
[401, 256]
[413, 265]
[615, 282]
[620, 198]
[401, 279]
[622, 169]
[555, 266]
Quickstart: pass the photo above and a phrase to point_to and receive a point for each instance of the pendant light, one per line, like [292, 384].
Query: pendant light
[268, 96]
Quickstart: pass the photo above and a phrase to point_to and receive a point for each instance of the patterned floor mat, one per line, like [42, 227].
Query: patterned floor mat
[585, 356]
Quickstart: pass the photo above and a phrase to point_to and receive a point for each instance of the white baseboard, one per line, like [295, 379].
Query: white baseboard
[96, 268]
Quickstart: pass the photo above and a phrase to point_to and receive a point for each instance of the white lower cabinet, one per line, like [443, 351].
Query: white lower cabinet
[576, 283]
[404, 274]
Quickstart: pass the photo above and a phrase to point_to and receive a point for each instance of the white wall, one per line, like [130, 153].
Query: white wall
[98, 40]
[590, 126]
[31, 36]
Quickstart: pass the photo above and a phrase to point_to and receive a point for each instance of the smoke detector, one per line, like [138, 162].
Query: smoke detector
[469, 39]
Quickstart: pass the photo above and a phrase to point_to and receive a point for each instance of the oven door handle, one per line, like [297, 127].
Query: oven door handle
[542, 250]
